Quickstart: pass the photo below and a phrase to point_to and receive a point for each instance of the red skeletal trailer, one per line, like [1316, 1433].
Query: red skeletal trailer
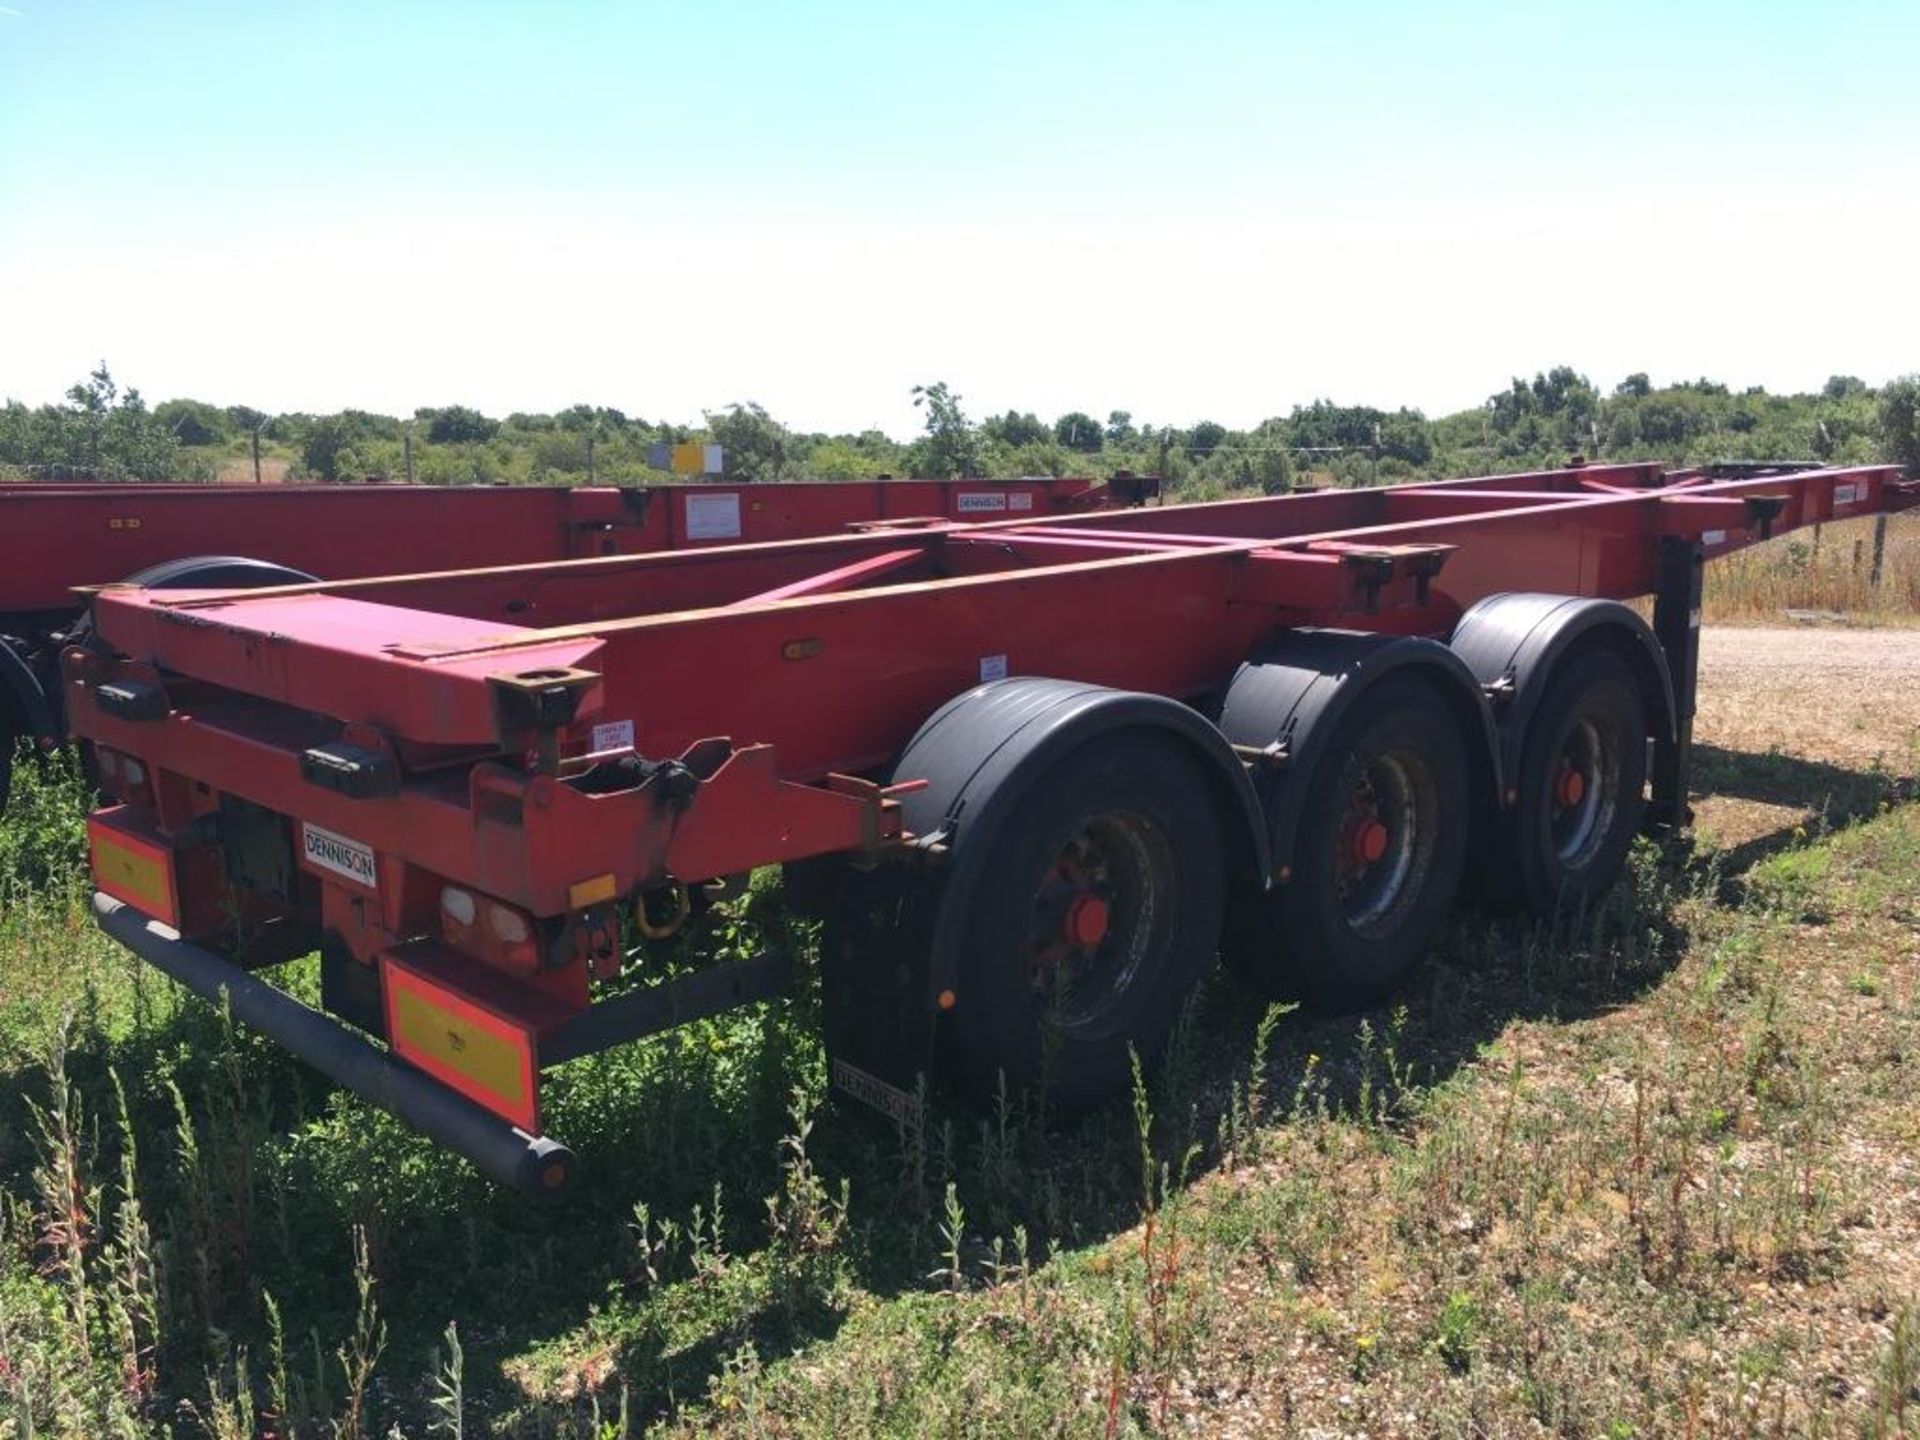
[1048, 769]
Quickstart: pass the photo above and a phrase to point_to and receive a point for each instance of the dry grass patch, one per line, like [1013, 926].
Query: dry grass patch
[1823, 571]
[1692, 1213]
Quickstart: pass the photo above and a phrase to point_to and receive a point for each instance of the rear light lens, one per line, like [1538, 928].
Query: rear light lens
[121, 775]
[505, 940]
[509, 925]
[458, 906]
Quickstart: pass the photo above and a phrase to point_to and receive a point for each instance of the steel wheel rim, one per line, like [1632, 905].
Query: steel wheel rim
[1396, 792]
[1123, 863]
[1578, 828]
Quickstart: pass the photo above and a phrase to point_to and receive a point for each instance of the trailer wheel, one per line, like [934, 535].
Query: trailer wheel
[202, 572]
[1377, 857]
[1097, 912]
[190, 572]
[1580, 785]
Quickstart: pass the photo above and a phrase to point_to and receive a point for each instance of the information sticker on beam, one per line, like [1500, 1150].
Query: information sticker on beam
[713, 517]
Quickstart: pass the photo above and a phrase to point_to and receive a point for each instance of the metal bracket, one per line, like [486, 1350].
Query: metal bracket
[355, 771]
[539, 702]
[1272, 756]
[1763, 510]
[133, 700]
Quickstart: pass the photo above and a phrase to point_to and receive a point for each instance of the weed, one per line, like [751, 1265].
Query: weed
[360, 1354]
[1455, 1332]
[448, 1389]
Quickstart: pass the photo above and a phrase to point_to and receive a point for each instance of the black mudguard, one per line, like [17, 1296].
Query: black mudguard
[1514, 643]
[1287, 701]
[979, 750]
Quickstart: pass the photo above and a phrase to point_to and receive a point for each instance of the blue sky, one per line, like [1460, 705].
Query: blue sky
[1181, 210]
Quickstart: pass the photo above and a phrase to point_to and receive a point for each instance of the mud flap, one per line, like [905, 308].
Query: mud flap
[881, 1034]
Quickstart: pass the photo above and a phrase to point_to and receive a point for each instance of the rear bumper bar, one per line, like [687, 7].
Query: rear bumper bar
[533, 1164]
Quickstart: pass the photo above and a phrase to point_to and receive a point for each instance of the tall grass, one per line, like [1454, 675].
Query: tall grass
[1828, 571]
[1491, 1208]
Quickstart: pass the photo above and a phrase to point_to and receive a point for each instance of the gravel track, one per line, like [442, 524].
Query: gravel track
[1835, 697]
[1737, 652]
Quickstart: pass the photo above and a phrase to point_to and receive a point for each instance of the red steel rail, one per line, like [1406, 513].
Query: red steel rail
[557, 739]
[58, 536]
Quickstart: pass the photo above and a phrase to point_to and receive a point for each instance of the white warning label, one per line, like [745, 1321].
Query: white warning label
[613, 735]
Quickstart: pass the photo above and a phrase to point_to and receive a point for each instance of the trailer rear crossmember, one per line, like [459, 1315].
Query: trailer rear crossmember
[1038, 772]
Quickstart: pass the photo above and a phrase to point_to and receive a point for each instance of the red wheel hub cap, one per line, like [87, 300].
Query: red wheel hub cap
[1087, 921]
[1369, 842]
[1571, 788]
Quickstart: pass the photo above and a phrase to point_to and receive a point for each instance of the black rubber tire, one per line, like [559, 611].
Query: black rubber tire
[1298, 940]
[218, 572]
[189, 572]
[1596, 689]
[1145, 798]
[211, 572]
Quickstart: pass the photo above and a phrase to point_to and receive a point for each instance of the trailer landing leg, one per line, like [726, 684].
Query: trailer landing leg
[1676, 623]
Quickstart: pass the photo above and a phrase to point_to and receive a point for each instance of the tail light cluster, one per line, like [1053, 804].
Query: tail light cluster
[122, 776]
[490, 930]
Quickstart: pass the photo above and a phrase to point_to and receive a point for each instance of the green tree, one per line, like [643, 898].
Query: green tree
[193, 422]
[837, 458]
[336, 446]
[1402, 435]
[1078, 430]
[1635, 385]
[1203, 439]
[245, 420]
[112, 434]
[1264, 462]
[1900, 422]
[757, 446]
[951, 447]
[456, 425]
[600, 419]
[1017, 428]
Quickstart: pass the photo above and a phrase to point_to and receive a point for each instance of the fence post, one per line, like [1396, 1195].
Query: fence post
[1879, 549]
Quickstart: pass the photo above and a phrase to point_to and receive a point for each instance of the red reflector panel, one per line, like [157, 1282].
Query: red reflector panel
[479, 1048]
[132, 867]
